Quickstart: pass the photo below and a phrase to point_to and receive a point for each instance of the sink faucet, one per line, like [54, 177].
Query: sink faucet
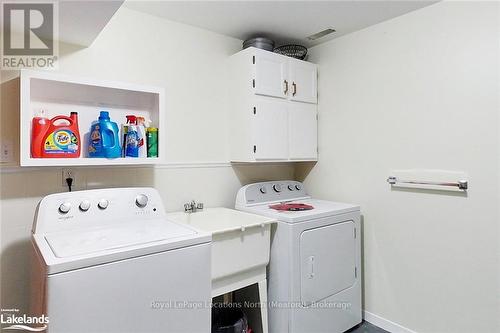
[192, 207]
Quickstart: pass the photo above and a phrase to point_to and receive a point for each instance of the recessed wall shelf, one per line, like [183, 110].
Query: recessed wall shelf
[61, 94]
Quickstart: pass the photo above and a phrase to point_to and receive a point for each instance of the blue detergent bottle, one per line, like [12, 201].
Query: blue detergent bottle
[104, 140]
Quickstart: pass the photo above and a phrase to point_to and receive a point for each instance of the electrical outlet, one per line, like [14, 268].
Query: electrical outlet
[7, 152]
[68, 173]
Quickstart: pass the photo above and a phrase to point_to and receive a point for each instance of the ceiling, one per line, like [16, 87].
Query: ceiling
[77, 27]
[282, 21]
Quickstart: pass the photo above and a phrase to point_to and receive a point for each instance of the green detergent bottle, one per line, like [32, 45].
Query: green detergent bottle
[152, 141]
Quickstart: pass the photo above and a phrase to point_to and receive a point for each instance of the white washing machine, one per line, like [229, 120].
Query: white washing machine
[314, 274]
[109, 261]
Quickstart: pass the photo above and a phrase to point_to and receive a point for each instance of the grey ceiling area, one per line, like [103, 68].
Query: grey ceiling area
[283, 21]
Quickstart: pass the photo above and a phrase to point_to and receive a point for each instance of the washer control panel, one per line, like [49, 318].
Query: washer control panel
[93, 208]
[286, 190]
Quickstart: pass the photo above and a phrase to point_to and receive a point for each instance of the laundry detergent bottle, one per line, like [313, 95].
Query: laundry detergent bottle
[39, 126]
[104, 138]
[58, 137]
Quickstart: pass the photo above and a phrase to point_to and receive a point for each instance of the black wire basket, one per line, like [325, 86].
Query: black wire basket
[292, 50]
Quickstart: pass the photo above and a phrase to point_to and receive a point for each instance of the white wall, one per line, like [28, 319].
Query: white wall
[418, 91]
[136, 48]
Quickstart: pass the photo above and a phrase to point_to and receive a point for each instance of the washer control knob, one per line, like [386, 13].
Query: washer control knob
[291, 187]
[298, 187]
[84, 205]
[263, 190]
[103, 204]
[65, 208]
[277, 187]
[141, 200]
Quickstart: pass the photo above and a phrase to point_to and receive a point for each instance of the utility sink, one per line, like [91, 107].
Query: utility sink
[240, 245]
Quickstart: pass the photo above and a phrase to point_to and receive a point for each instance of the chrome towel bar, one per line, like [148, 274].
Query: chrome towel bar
[461, 184]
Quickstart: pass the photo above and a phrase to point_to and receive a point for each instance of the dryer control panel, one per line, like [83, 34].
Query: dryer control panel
[274, 191]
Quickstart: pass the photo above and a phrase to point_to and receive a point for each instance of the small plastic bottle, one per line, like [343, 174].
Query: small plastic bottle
[152, 141]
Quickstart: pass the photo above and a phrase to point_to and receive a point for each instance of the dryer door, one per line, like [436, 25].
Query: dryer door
[328, 261]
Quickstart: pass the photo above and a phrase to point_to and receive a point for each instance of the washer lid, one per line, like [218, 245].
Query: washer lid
[86, 242]
[322, 208]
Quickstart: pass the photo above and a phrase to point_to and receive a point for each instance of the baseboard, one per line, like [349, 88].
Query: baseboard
[385, 324]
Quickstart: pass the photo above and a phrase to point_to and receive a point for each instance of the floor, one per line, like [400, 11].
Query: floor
[366, 327]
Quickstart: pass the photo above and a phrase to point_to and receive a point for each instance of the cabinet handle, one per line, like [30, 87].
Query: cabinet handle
[294, 89]
[286, 87]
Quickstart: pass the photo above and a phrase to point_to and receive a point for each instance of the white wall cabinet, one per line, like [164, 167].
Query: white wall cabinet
[273, 113]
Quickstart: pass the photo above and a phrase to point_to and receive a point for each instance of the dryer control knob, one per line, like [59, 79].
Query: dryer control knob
[291, 187]
[141, 200]
[298, 187]
[103, 204]
[84, 205]
[65, 208]
[277, 187]
[263, 190]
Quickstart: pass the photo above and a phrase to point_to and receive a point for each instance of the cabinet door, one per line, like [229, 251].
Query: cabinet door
[303, 81]
[270, 74]
[270, 130]
[303, 131]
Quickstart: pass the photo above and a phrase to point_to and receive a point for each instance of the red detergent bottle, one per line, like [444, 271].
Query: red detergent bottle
[58, 137]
